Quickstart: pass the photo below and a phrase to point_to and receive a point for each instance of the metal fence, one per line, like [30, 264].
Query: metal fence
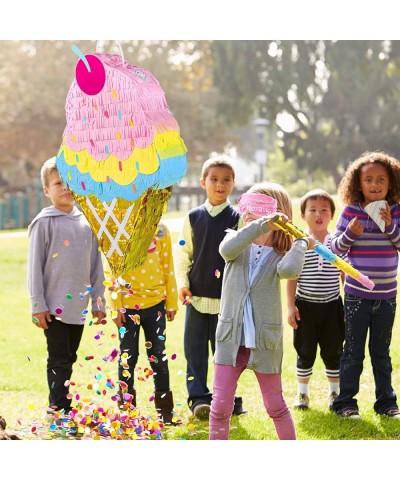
[18, 210]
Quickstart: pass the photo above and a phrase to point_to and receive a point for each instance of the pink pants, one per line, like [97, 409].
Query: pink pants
[225, 383]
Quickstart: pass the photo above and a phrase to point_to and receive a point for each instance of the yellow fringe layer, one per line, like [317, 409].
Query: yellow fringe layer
[124, 172]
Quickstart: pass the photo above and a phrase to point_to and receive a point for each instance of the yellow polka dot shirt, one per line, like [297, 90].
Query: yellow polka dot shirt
[149, 283]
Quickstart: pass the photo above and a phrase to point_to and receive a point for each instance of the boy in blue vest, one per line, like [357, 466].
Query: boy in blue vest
[199, 269]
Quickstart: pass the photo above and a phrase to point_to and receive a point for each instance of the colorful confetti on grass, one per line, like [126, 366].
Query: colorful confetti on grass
[92, 417]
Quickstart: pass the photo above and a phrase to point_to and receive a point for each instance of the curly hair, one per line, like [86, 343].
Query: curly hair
[350, 187]
[281, 242]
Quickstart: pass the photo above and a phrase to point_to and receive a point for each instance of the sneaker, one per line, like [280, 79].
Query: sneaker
[349, 413]
[202, 410]
[302, 401]
[393, 413]
[52, 413]
[331, 398]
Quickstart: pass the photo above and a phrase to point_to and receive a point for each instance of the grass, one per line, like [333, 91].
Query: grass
[23, 386]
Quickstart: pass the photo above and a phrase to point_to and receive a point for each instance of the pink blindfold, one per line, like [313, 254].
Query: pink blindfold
[257, 203]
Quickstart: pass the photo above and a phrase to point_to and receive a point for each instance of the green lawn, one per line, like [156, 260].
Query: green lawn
[23, 388]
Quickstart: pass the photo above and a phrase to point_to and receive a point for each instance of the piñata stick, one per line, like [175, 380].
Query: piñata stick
[325, 253]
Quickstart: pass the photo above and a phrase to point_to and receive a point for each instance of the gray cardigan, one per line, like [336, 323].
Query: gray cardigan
[265, 295]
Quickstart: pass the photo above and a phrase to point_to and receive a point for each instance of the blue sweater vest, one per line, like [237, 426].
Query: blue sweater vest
[208, 233]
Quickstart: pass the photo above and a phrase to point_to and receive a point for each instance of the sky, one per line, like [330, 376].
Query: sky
[215, 20]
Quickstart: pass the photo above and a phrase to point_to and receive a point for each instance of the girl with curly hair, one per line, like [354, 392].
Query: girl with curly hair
[372, 245]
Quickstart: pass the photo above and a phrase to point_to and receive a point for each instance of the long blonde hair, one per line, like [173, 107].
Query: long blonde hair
[281, 242]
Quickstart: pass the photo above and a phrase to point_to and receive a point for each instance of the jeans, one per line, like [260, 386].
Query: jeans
[153, 322]
[63, 342]
[225, 382]
[361, 316]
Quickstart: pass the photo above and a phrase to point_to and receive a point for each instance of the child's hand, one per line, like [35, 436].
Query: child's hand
[311, 242]
[171, 315]
[271, 225]
[119, 320]
[293, 317]
[385, 215]
[185, 295]
[99, 315]
[41, 319]
[356, 227]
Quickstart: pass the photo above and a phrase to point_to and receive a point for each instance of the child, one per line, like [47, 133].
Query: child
[143, 298]
[64, 261]
[375, 176]
[315, 307]
[199, 273]
[250, 329]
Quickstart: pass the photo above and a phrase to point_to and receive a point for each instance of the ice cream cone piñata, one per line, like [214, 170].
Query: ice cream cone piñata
[121, 154]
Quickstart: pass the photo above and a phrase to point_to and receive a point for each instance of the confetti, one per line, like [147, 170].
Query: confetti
[217, 273]
[182, 242]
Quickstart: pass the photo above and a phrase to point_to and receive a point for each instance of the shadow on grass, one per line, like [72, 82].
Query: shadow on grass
[197, 429]
[317, 425]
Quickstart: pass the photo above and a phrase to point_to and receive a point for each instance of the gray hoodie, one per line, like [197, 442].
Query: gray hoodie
[64, 266]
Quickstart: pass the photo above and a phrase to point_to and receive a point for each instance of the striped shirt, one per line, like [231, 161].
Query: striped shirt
[373, 253]
[319, 280]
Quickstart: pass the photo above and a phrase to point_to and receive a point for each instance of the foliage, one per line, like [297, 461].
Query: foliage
[35, 78]
[328, 100]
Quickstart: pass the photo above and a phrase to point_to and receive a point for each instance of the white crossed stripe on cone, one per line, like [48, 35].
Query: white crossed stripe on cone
[103, 225]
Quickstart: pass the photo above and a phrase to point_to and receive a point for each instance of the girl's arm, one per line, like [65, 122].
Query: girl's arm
[236, 241]
[293, 312]
[167, 266]
[292, 263]
[392, 230]
[348, 229]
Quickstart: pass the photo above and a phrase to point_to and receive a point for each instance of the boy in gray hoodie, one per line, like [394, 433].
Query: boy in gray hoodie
[64, 270]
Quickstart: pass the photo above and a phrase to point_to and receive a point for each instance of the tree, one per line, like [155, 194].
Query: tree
[35, 77]
[328, 101]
